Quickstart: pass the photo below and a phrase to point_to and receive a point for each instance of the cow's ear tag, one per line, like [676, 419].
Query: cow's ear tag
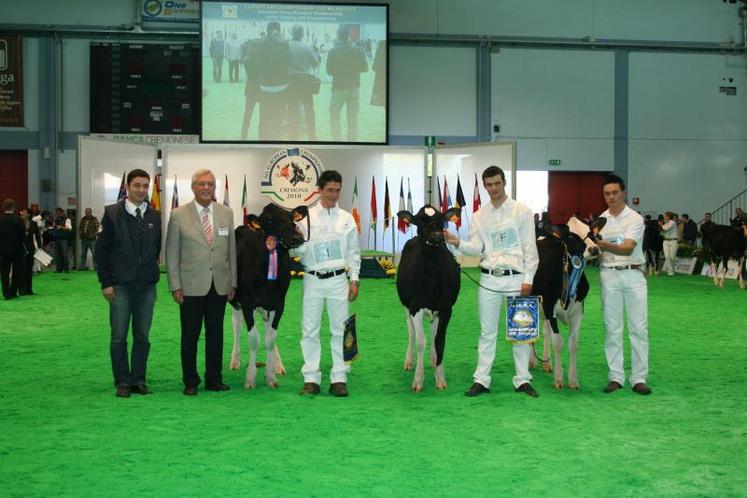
[297, 217]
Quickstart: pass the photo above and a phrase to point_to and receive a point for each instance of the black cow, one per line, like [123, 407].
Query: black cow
[428, 281]
[563, 291]
[653, 245]
[726, 242]
[263, 266]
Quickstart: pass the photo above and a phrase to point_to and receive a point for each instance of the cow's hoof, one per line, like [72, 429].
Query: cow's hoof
[407, 366]
[441, 386]
[259, 364]
[234, 365]
[417, 388]
[249, 385]
[280, 370]
[575, 387]
[547, 367]
[273, 385]
[558, 384]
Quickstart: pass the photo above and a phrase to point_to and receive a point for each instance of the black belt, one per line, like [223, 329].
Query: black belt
[500, 273]
[671, 239]
[624, 267]
[328, 274]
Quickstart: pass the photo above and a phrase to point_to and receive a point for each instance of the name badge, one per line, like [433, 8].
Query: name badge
[223, 232]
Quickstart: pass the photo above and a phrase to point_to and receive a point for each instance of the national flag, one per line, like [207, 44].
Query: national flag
[373, 204]
[155, 196]
[122, 188]
[175, 196]
[438, 194]
[355, 211]
[401, 225]
[460, 202]
[387, 207]
[476, 204]
[225, 194]
[244, 201]
[446, 202]
[409, 197]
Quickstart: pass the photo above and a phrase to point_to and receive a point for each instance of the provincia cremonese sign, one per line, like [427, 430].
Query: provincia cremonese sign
[290, 177]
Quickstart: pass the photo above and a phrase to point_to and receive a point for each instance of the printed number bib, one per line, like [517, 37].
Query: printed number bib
[327, 250]
[504, 239]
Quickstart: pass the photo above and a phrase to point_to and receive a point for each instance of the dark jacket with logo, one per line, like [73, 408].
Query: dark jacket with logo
[127, 250]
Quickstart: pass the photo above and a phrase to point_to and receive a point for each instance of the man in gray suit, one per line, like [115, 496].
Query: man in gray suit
[201, 265]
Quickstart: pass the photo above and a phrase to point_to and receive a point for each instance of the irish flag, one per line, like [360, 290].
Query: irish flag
[355, 212]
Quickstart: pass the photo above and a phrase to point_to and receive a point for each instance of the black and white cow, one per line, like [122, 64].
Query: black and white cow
[726, 242]
[653, 245]
[428, 282]
[263, 266]
[563, 285]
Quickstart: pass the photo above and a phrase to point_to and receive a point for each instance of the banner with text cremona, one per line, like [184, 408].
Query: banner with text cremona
[11, 81]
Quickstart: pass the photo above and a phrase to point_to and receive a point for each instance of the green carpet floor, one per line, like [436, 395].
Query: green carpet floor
[63, 432]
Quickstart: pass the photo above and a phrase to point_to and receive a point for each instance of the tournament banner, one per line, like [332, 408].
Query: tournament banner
[350, 341]
[522, 319]
[171, 10]
[11, 81]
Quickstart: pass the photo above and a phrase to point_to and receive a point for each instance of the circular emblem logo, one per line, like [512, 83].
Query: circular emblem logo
[576, 261]
[152, 7]
[290, 178]
[523, 318]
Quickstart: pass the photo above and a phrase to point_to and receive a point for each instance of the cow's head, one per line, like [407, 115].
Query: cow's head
[280, 223]
[430, 222]
[586, 235]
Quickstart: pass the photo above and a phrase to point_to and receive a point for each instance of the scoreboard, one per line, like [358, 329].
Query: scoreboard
[145, 88]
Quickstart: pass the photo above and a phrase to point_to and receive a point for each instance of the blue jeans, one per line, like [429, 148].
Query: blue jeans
[136, 303]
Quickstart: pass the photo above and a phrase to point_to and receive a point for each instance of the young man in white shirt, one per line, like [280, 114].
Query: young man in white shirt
[623, 285]
[502, 234]
[331, 253]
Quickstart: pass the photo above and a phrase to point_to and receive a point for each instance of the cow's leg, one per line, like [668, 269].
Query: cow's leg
[410, 340]
[237, 320]
[438, 344]
[270, 337]
[279, 367]
[724, 271]
[417, 320]
[433, 355]
[557, 347]
[546, 362]
[575, 316]
[740, 273]
[714, 270]
[250, 382]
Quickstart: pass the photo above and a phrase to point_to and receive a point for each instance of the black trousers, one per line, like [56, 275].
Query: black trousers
[25, 282]
[10, 274]
[196, 310]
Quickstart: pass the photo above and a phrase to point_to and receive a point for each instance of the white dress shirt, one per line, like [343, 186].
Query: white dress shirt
[626, 225]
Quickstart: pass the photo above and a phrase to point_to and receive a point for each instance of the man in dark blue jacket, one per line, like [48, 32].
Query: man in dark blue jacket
[126, 257]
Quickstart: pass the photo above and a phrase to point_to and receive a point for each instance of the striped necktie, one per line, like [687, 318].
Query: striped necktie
[207, 226]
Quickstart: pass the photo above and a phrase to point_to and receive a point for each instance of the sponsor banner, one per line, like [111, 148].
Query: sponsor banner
[731, 271]
[685, 265]
[290, 178]
[171, 11]
[149, 139]
[11, 81]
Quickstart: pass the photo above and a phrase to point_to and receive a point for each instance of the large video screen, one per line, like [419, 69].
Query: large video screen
[294, 72]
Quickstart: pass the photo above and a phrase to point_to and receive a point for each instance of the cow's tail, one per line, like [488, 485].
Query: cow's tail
[444, 316]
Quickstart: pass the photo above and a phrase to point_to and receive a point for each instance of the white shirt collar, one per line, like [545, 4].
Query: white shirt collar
[201, 208]
[130, 207]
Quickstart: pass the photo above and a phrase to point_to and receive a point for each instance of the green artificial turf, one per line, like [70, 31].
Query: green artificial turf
[64, 432]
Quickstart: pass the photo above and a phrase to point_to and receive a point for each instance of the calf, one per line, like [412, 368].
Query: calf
[653, 245]
[263, 266]
[428, 281]
[726, 242]
[563, 286]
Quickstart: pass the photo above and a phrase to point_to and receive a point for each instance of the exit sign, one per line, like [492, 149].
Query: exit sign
[554, 162]
[430, 141]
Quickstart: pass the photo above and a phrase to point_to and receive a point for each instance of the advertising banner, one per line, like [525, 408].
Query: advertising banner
[11, 81]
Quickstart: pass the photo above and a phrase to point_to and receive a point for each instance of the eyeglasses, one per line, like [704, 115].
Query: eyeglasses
[205, 184]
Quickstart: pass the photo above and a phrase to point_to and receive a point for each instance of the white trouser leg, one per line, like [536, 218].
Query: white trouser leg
[522, 352]
[670, 253]
[311, 322]
[636, 304]
[337, 311]
[612, 306]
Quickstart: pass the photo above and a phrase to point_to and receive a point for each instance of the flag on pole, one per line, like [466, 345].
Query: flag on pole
[438, 194]
[225, 193]
[122, 188]
[446, 203]
[175, 196]
[244, 201]
[476, 204]
[387, 207]
[401, 225]
[409, 196]
[373, 204]
[460, 202]
[356, 212]
[155, 196]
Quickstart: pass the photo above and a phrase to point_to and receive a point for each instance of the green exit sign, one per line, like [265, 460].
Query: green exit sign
[554, 162]
[430, 141]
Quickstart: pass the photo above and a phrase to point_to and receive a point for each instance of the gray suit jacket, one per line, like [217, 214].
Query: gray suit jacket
[191, 263]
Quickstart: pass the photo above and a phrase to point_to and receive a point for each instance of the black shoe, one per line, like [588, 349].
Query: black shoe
[642, 388]
[527, 389]
[476, 390]
[190, 390]
[123, 391]
[217, 387]
[141, 389]
[611, 387]
[310, 388]
[338, 389]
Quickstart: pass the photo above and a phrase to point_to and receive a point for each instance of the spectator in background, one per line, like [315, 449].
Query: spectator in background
[252, 92]
[345, 63]
[61, 234]
[378, 93]
[739, 217]
[669, 232]
[32, 241]
[233, 55]
[273, 60]
[217, 51]
[11, 249]
[689, 230]
[705, 227]
[88, 231]
[303, 85]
